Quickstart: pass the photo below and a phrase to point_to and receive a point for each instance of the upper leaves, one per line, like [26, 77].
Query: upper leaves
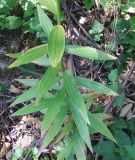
[45, 22]
[30, 55]
[51, 5]
[56, 45]
[88, 52]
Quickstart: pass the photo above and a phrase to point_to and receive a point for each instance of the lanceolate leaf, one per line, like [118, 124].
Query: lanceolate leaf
[51, 5]
[30, 55]
[31, 108]
[43, 61]
[80, 124]
[28, 82]
[65, 130]
[79, 147]
[26, 96]
[88, 52]
[13, 55]
[100, 127]
[68, 149]
[46, 82]
[53, 110]
[45, 22]
[75, 96]
[56, 45]
[95, 86]
[55, 128]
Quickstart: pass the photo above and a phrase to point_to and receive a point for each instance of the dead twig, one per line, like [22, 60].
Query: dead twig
[88, 40]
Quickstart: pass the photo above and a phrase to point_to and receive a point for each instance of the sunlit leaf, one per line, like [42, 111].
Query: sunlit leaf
[56, 45]
[88, 52]
[30, 55]
[45, 21]
[95, 86]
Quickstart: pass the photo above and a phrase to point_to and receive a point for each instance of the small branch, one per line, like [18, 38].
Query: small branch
[88, 40]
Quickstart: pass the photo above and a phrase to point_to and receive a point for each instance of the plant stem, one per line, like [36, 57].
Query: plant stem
[59, 13]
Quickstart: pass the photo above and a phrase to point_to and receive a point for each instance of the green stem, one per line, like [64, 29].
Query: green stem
[59, 12]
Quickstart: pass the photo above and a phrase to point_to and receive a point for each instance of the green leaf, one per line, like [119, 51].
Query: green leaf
[88, 52]
[113, 75]
[79, 147]
[18, 152]
[13, 55]
[27, 82]
[65, 130]
[43, 61]
[28, 9]
[122, 138]
[100, 127]
[97, 27]
[13, 22]
[30, 55]
[31, 108]
[75, 96]
[53, 110]
[119, 101]
[26, 96]
[51, 5]
[66, 151]
[131, 150]
[45, 21]
[80, 123]
[46, 82]
[55, 128]
[56, 45]
[95, 86]
[106, 149]
[89, 4]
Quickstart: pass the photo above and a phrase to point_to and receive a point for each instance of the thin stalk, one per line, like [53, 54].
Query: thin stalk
[59, 12]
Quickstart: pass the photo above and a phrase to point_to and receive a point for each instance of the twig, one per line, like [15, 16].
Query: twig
[87, 40]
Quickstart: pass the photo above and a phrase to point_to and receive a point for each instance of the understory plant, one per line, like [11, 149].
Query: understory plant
[67, 120]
